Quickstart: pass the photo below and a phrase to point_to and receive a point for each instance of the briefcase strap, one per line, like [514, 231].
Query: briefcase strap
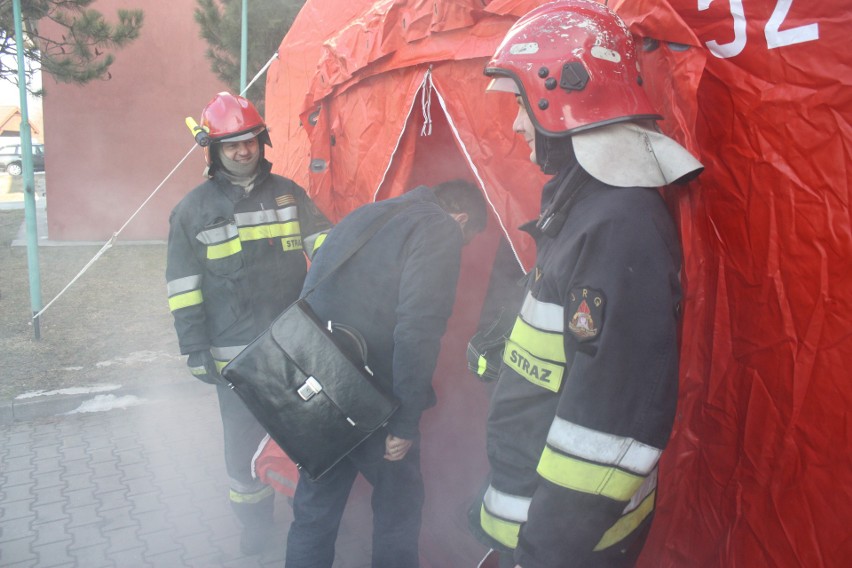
[365, 236]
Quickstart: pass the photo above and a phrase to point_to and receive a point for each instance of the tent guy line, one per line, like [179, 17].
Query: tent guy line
[107, 245]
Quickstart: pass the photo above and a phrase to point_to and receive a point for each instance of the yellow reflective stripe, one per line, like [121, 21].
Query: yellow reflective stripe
[504, 532]
[319, 241]
[313, 242]
[540, 344]
[293, 228]
[603, 448]
[481, 365]
[223, 355]
[250, 497]
[185, 300]
[537, 371]
[588, 477]
[222, 250]
[270, 231]
[627, 524]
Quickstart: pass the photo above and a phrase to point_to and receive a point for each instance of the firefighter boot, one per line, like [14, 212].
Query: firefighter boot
[256, 519]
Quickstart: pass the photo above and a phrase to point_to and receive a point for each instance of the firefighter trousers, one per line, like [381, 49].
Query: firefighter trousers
[242, 436]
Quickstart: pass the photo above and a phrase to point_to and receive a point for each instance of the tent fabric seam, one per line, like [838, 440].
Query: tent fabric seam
[475, 171]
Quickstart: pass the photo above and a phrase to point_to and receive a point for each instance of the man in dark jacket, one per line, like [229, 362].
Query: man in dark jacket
[398, 290]
[587, 391]
[236, 259]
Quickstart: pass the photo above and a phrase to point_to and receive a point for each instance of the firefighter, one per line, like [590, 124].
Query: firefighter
[586, 394]
[236, 259]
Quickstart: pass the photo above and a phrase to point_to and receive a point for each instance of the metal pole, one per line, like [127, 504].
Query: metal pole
[244, 47]
[29, 177]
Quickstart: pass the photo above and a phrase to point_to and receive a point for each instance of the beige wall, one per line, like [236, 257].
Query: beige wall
[110, 143]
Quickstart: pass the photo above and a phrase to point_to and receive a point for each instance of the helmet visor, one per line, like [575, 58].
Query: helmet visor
[503, 85]
[248, 135]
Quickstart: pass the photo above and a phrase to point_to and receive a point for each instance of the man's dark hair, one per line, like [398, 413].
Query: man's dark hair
[460, 196]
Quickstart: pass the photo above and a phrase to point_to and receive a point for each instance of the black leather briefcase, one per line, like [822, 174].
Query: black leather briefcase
[307, 383]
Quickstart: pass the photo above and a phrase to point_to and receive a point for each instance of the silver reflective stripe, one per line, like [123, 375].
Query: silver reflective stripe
[287, 213]
[242, 488]
[280, 479]
[506, 506]
[217, 234]
[543, 315]
[266, 216]
[226, 353]
[646, 488]
[185, 284]
[602, 448]
[262, 217]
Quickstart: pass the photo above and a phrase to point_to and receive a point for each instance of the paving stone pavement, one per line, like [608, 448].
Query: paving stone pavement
[142, 486]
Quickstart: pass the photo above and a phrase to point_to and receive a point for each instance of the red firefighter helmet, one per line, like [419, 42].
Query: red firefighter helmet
[574, 64]
[230, 118]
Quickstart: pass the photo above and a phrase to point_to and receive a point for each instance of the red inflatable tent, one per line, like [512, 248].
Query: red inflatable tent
[371, 98]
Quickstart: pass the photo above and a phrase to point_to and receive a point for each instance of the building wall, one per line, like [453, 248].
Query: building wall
[109, 144]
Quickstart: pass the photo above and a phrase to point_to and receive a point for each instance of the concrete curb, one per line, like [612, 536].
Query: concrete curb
[25, 410]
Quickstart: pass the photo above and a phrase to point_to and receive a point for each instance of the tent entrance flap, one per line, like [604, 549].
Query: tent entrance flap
[427, 152]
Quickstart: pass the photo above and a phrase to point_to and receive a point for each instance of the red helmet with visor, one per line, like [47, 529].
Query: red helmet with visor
[231, 118]
[574, 64]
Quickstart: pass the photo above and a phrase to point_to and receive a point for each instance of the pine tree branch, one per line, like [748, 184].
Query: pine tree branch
[81, 51]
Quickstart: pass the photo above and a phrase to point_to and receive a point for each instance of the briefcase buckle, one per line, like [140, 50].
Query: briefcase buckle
[310, 389]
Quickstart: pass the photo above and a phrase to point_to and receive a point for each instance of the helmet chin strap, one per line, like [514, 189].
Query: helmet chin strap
[553, 217]
[556, 156]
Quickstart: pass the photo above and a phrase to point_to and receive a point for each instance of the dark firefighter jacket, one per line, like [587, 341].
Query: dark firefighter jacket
[397, 290]
[235, 261]
[587, 391]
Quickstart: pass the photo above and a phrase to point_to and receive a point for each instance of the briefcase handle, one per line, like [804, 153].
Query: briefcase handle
[354, 341]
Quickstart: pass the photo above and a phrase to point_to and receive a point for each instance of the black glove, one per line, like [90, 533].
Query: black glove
[203, 368]
[485, 349]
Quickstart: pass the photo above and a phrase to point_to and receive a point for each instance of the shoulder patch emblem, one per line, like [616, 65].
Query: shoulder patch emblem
[586, 306]
[285, 200]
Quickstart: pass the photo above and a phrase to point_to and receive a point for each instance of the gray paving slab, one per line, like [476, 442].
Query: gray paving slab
[142, 486]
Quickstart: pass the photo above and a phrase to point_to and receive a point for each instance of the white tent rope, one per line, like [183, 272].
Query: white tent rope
[426, 104]
[111, 241]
